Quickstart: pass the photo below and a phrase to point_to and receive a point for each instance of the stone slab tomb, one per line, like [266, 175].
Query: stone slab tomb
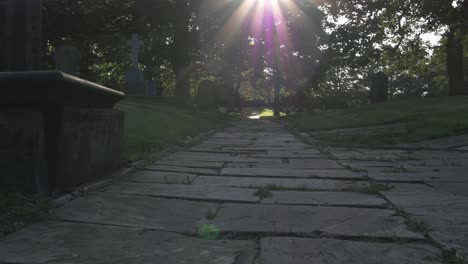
[56, 131]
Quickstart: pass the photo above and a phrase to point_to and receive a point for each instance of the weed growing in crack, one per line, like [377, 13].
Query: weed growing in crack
[263, 192]
[211, 214]
[413, 223]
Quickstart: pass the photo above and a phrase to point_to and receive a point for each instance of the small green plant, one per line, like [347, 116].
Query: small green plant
[413, 223]
[211, 214]
[416, 225]
[263, 192]
[452, 257]
[208, 231]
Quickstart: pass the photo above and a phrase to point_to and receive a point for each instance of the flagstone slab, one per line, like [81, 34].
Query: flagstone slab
[283, 154]
[370, 163]
[197, 149]
[325, 198]
[190, 163]
[208, 193]
[445, 214]
[263, 148]
[295, 173]
[312, 184]
[61, 242]
[161, 177]
[136, 211]
[343, 221]
[291, 250]
[180, 169]
[457, 188]
[311, 164]
[418, 176]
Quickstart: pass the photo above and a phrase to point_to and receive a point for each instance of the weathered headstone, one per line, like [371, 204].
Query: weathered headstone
[379, 88]
[134, 80]
[67, 59]
[152, 88]
[20, 35]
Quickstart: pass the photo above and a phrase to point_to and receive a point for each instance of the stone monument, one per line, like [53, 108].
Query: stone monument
[57, 131]
[153, 88]
[67, 59]
[20, 35]
[134, 81]
[379, 88]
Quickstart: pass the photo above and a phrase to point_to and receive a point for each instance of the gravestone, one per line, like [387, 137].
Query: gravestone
[152, 88]
[379, 88]
[67, 59]
[20, 35]
[134, 81]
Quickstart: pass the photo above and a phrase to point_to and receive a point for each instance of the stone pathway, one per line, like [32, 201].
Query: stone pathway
[263, 196]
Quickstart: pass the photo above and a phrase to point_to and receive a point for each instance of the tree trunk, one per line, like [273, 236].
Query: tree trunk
[181, 64]
[455, 63]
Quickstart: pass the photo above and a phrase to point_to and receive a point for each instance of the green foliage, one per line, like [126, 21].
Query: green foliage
[263, 192]
[208, 231]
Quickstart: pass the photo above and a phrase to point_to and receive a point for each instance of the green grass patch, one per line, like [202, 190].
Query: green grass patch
[267, 112]
[153, 124]
[263, 192]
[208, 231]
[414, 120]
[18, 210]
[211, 214]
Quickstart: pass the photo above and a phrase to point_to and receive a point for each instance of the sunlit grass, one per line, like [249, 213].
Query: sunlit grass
[153, 124]
[414, 120]
[267, 112]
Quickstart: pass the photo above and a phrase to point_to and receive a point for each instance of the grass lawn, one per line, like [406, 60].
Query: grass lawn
[412, 120]
[152, 124]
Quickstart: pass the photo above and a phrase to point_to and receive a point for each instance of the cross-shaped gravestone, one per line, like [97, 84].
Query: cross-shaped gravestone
[135, 43]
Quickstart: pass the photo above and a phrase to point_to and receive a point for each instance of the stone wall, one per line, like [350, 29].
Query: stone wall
[56, 131]
[89, 146]
[23, 160]
[39, 154]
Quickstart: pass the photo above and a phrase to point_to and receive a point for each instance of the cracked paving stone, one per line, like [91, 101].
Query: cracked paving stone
[418, 176]
[181, 169]
[445, 214]
[311, 164]
[297, 173]
[64, 243]
[161, 177]
[136, 211]
[290, 250]
[325, 198]
[189, 163]
[312, 184]
[343, 221]
[187, 192]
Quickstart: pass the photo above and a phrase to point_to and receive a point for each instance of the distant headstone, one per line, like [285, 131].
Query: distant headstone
[20, 35]
[379, 88]
[67, 59]
[152, 88]
[134, 80]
